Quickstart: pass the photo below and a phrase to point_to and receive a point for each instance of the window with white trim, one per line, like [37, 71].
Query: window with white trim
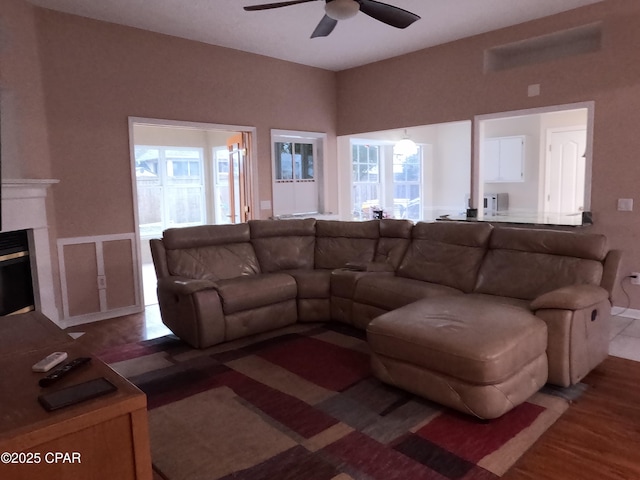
[382, 181]
[170, 184]
[366, 188]
[407, 186]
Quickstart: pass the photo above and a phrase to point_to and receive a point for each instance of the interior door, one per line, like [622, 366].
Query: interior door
[239, 191]
[565, 171]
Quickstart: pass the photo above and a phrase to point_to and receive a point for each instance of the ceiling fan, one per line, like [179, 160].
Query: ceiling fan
[343, 9]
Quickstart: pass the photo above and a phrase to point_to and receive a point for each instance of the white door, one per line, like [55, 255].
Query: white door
[565, 171]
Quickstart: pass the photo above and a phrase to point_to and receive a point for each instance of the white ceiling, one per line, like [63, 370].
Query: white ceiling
[284, 32]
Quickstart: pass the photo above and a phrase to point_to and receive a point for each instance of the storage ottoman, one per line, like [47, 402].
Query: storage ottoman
[477, 356]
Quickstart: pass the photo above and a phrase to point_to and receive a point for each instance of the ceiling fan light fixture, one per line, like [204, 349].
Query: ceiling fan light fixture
[341, 9]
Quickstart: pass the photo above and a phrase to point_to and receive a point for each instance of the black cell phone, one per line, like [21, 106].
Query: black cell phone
[76, 393]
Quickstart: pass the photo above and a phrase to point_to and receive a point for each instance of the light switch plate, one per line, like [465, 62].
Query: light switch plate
[625, 204]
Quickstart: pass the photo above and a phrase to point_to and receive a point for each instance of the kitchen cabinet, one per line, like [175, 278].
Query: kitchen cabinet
[504, 159]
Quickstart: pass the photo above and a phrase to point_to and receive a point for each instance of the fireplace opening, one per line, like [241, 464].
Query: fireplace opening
[16, 280]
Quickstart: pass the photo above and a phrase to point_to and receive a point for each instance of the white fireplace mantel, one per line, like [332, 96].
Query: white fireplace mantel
[24, 207]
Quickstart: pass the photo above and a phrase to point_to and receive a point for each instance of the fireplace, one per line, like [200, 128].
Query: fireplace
[16, 280]
[24, 207]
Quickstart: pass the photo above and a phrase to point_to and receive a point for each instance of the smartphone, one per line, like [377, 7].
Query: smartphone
[76, 393]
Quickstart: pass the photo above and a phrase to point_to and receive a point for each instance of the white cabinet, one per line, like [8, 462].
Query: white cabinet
[504, 159]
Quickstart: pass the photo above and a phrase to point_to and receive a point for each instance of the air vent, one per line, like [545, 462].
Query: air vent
[566, 43]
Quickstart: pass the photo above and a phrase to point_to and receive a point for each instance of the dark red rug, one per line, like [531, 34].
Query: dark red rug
[304, 405]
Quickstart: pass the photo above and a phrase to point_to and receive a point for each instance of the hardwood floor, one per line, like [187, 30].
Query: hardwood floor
[99, 336]
[597, 438]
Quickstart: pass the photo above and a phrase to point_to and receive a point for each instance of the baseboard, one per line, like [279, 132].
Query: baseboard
[626, 312]
[97, 316]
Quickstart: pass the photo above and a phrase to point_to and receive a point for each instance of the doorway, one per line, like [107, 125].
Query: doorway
[186, 174]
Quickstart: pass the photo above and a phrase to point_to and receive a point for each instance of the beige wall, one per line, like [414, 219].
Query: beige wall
[447, 83]
[97, 74]
[25, 151]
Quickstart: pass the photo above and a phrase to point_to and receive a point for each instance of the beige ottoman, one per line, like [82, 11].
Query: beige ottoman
[477, 356]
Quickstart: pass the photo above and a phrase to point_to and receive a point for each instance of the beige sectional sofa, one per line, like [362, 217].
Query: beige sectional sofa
[510, 308]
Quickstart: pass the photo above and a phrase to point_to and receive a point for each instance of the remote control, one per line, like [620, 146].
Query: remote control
[63, 371]
[50, 361]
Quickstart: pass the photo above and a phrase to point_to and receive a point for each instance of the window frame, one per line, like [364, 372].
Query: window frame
[386, 184]
[359, 213]
[166, 186]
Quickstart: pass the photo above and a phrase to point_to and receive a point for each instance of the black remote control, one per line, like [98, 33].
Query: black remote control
[63, 371]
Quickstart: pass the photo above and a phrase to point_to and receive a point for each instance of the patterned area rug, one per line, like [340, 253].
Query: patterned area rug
[304, 405]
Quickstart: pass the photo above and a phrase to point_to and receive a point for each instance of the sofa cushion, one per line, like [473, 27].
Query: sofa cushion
[215, 262]
[470, 339]
[339, 243]
[212, 252]
[446, 253]
[245, 293]
[527, 263]
[204, 235]
[395, 228]
[395, 236]
[389, 292]
[516, 302]
[284, 244]
[312, 283]
[590, 246]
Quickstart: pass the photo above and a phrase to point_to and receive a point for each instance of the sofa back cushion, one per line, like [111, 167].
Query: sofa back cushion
[525, 263]
[446, 253]
[212, 252]
[395, 236]
[284, 244]
[338, 243]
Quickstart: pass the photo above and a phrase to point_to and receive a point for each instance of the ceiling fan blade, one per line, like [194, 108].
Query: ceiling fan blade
[267, 6]
[394, 16]
[325, 27]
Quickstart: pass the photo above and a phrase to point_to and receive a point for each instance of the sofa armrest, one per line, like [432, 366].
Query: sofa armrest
[184, 285]
[192, 309]
[573, 297]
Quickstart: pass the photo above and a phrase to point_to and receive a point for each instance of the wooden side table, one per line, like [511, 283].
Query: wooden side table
[102, 438]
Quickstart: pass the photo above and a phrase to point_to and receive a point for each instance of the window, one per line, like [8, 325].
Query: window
[384, 181]
[366, 181]
[407, 185]
[170, 188]
[294, 161]
[296, 182]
